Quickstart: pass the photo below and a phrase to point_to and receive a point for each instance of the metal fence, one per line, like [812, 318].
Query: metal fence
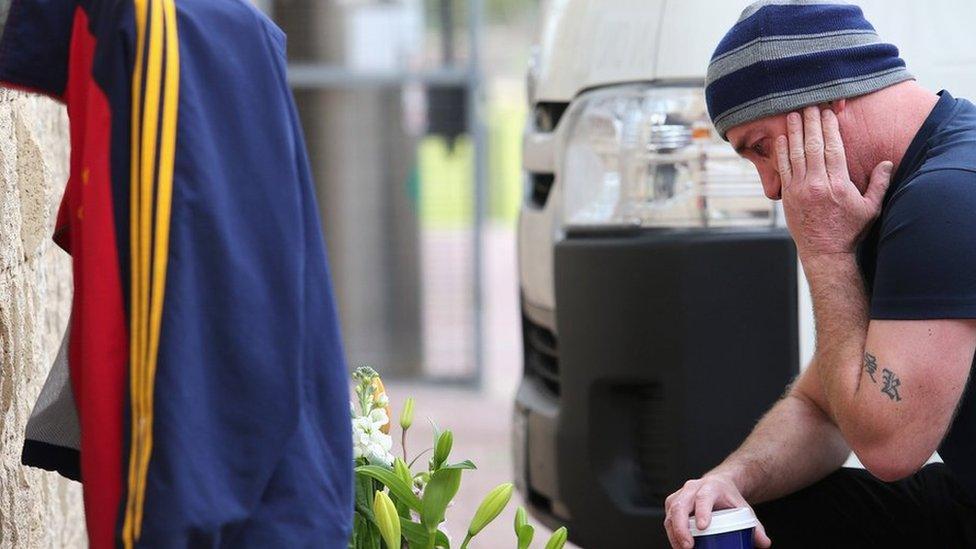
[391, 99]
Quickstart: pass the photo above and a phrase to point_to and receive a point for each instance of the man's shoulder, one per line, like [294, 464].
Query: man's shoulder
[949, 166]
[939, 184]
[943, 185]
[953, 145]
[932, 201]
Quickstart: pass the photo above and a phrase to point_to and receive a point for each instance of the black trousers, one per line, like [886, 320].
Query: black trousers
[851, 508]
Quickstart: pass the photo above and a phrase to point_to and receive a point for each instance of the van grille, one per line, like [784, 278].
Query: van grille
[632, 447]
[541, 185]
[541, 355]
[652, 444]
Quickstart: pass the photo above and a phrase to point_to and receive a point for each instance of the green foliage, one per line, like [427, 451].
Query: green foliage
[466, 464]
[403, 509]
[417, 535]
[492, 506]
[442, 449]
[558, 539]
[403, 471]
[397, 486]
[441, 489]
[406, 416]
[523, 530]
[366, 534]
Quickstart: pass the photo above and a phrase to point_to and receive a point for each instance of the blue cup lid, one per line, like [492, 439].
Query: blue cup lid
[726, 520]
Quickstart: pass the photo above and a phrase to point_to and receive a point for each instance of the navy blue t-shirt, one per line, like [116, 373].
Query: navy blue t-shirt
[919, 258]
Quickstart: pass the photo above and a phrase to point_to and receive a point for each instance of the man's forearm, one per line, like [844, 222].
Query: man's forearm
[794, 445]
[840, 309]
[800, 440]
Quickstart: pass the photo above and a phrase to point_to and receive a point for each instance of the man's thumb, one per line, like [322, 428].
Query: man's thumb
[878, 185]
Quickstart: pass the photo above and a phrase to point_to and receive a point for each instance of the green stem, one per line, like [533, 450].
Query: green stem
[403, 444]
[467, 539]
[420, 455]
[431, 539]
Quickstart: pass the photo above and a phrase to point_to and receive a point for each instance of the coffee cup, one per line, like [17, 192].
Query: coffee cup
[728, 529]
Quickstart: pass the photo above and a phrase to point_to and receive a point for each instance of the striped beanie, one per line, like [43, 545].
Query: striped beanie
[782, 55]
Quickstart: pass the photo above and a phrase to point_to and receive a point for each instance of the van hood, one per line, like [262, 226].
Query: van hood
[589, 43]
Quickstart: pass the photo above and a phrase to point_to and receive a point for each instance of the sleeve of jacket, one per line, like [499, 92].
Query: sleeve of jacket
[34, 46]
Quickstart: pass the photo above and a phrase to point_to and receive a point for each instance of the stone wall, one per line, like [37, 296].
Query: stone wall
[37, 508]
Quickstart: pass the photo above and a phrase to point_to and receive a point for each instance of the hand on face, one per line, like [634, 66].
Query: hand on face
[825, 212]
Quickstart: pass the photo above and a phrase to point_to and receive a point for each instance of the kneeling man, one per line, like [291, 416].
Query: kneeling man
[878, 181]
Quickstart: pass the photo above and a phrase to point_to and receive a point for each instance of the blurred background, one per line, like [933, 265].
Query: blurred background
[413, 113]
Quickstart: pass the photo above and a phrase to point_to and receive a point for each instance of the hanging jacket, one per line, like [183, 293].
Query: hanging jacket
[206, 368]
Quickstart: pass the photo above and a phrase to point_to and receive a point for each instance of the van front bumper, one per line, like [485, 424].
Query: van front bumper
[668, 346]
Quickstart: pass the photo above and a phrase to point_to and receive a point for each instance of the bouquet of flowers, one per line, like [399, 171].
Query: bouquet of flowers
[399, 508]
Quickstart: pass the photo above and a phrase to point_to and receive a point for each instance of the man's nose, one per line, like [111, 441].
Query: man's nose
[771, 186]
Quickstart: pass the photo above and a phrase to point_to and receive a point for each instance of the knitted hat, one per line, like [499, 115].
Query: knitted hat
[786, 54]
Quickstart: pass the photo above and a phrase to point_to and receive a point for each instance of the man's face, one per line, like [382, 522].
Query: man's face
[756, 142]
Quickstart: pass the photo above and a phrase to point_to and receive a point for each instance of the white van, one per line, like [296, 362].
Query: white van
[663, 308]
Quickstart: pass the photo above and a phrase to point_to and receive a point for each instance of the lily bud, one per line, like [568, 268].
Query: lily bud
[403, 471]
[406, 416]
[442, 448]
[492, 506]
[525, 533]
[558, 539]
[521, 519]
[387, 519]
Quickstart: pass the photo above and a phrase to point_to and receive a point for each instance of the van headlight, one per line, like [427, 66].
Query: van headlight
[645, 156]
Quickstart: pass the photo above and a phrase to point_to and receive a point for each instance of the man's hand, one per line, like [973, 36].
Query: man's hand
[699, 497]
[825, 211]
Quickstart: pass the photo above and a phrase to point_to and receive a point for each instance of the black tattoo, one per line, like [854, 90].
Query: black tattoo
[889, 380]
[870, 365]
[891, 383]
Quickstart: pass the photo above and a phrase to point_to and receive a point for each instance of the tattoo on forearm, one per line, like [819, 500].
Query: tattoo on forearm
[891, 383]
[870, 365]
[889, 380]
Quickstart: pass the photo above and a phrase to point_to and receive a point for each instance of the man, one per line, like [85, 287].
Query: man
[878, 181]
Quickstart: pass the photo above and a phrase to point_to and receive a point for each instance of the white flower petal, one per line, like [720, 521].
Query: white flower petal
[379, 417]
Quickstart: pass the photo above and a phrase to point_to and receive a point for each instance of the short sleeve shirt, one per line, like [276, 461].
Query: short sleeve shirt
[919, 259]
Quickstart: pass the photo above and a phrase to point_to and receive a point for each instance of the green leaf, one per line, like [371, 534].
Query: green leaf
[441, 489]
[365, 534]
[466, 464]
[366, 512]
[400, 489]
[402, 471]
[401, 507]
[417, 535]
[364, 487]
